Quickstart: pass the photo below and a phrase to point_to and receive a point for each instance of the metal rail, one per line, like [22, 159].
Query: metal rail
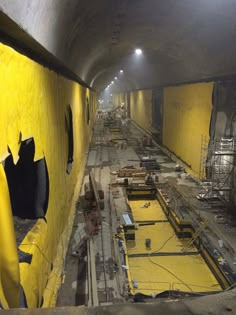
[92, 279]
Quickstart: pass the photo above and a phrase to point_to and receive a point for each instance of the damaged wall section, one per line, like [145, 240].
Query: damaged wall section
[33, 102]
[70, 133]
[28, 183]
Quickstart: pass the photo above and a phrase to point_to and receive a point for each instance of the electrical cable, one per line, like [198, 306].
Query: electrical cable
[41, 252]
[164, 268]
[166, 241]
[170, 272]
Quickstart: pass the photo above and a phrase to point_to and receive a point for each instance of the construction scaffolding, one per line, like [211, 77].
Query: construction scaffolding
[217, 169]
[203, 157]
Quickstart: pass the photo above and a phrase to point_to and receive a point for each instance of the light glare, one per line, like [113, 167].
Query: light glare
[138, 51]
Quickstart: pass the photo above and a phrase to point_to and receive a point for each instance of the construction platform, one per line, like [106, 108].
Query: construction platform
[168, 264]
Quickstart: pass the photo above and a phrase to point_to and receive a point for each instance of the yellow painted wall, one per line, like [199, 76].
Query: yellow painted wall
[141, 108]
[187, 112]
[116, 99]
[33, 102]
[119, 98]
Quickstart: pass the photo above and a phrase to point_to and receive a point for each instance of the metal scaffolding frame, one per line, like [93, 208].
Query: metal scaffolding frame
[217, 169]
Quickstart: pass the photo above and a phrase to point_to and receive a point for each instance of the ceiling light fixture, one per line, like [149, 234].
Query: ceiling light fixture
[138, 51]
[121, 71]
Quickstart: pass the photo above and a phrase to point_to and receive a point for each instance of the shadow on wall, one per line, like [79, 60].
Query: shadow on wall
[88, 110]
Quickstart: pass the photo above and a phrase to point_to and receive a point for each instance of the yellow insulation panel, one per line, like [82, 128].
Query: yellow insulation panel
[141, 108]
[163, 266]
[119, 99]
[163, 239]
[33, 103]
[141, 213]
[158, 274]
[186, 119]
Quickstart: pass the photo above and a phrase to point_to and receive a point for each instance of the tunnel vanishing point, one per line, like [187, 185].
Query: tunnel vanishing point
[117, 157]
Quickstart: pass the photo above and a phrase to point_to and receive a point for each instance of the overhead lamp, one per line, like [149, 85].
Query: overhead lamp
[115, 78]
[112, 82]
[138, 51]
[121, 71]
[111, 94]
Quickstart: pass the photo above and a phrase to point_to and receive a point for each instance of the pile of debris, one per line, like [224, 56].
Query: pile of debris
[93, 204]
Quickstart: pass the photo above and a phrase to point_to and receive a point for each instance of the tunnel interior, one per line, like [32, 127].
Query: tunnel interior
[133, 105]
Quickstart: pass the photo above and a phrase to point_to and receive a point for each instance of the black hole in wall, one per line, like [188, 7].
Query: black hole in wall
[28, 183]
[88, 110]
[69, 123]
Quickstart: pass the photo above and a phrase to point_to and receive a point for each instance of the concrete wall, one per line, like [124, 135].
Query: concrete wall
[141, 108]
[186, 118]
[79, 34]
[33, 103]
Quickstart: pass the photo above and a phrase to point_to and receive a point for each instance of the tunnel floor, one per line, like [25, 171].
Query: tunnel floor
[110, 151]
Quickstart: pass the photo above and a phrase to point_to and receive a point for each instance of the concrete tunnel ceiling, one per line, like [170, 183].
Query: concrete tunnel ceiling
[182, 41]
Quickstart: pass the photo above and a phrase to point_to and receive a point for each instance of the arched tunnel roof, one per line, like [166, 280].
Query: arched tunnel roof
[182, 41]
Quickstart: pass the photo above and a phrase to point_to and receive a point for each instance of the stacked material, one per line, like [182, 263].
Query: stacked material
[149, 164]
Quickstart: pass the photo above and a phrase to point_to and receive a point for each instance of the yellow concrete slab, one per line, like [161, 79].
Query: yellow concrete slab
[163, 239]
[157, 274]
[140, 213]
